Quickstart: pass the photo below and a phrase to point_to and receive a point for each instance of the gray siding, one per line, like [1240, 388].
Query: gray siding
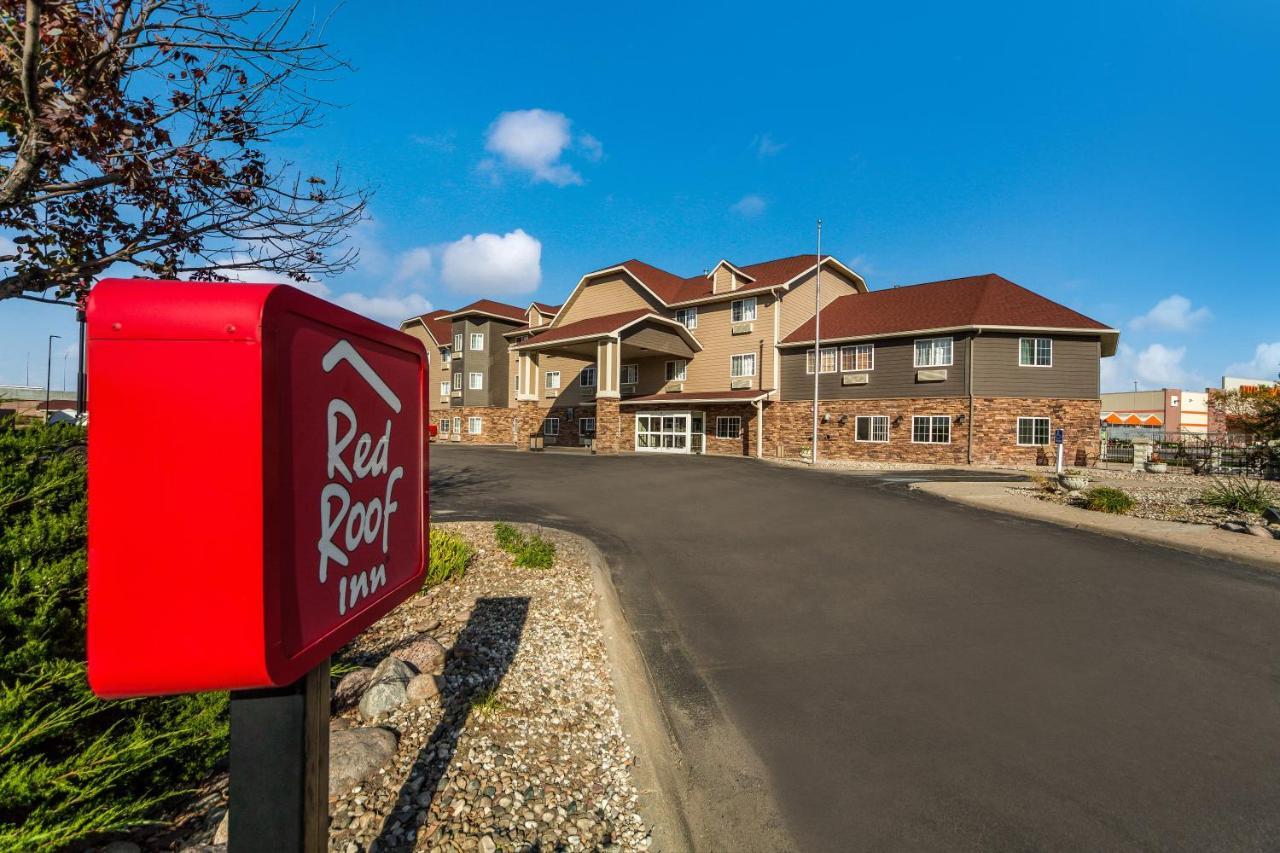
[1074, 374]
[894, 374]
[492, 361]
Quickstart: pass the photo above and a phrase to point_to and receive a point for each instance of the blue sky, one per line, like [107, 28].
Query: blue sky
[1119, 158]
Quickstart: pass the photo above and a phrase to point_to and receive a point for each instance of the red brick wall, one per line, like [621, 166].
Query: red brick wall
[995, 436]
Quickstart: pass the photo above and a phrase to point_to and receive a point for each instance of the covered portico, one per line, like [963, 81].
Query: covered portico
[610, 341]
[726, 422]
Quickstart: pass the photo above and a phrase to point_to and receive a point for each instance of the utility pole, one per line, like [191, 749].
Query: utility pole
[65, 356]
[817, 345]
[48, 377]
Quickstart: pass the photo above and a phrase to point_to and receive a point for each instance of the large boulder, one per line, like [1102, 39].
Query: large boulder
[355, 754]
[351, 688]
[422, 688]
[424, 653]
[386, 690]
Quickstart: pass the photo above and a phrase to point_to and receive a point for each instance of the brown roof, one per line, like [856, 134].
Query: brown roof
[440, 329]
[697, 396]
[546, 308]
[601, 325]
[673, 289]
[980, 300]
[489, 306]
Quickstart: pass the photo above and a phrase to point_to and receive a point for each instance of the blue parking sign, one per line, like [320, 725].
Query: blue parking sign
[1057, 436]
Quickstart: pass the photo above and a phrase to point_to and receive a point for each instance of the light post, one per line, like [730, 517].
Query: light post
[48, 377]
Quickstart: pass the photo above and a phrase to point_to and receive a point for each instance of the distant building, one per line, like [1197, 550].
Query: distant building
[1236, 383]
[1164, 410]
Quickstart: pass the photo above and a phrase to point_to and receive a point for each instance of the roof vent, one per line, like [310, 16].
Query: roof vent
[706, 271]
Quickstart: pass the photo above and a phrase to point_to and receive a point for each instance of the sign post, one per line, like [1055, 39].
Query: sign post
[1057, 439]
[241, 544]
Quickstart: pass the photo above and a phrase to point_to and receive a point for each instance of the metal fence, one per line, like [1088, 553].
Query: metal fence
[1197, 453]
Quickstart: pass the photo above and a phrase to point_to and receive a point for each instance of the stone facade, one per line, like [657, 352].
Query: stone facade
[789, 425]
[570, 428]
[496, 424]
[610, 429]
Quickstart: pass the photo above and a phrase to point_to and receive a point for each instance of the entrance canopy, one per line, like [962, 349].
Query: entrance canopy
[685, 398]
[641, 333]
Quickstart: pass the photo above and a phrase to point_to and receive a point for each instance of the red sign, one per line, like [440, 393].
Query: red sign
[257, 483]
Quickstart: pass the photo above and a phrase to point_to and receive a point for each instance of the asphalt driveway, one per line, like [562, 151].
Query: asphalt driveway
[848, 665]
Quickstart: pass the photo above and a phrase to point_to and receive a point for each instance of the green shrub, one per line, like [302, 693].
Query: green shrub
[509, 537]
[71, 765]
[537, 553]
[449, 557]
[1239, 494]
[1107, 499]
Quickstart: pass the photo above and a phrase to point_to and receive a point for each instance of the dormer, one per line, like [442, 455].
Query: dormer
[725, 277]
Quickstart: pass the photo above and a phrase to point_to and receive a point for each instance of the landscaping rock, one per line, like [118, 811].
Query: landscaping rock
[1234, 526]
[1272, 514]
[421, 688]
[350, 688]
[1258, 530]
[424, 653]
[386, 690]
[355, 754]
[121, 847]
[224, 827]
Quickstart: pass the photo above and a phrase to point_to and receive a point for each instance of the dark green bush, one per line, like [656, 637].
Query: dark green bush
[73, 766]
[1239, 494]
[1107, 499]
[509, 538]
[449, 557]
[537, 553]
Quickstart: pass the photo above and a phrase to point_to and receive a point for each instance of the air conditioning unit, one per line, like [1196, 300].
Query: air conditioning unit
[456, 437]
[628, 388]
[855, 379]
[740, 384]
[740, 329]
[673, 387]
[931, 375]
[588, 393]
[552, 393]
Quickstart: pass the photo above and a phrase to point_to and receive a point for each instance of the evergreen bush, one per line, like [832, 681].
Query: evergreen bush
[73, 766]
[1107, 499]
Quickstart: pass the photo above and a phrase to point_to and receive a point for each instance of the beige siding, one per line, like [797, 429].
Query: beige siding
[797, 303]
[722, 280]
[709, 369]
[608, 295]
[570, 371]
[1073, 375]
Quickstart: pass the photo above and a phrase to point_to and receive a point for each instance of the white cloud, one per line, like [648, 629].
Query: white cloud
[765, 146]
[413, 266]
[1156, 366]
[1265, 363]
[1173, 313]
[493, 265]
[749, 206]
[533, 141]
[391, 310]
[592, 146]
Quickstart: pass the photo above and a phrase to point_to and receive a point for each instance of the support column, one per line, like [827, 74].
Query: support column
[608, 392]
[528, 417]
[609, 437]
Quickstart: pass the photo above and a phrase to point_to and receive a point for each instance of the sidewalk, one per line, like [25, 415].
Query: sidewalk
[1194, 538]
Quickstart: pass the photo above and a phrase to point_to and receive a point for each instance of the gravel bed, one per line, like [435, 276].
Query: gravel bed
[521, 750]
[1164, 497]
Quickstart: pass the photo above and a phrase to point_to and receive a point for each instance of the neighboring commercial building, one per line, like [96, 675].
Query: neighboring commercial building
[971, 369]
[1153, 413]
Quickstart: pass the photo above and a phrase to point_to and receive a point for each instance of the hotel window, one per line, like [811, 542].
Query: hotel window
[477, 340]
[517, 375]
[742, 365]
[1033, 431]
[551, 426]
[457, 342]
[457, 382]
[553, 380]
[475, 381]
[828, 360]
[931, 429]
[475, 426]
[743, 310]
[687, 317]
[730, 427]
[445, 355]
[444, 389]
[586, 425]
[630, 374]
[1035, 352]
[676, 370]
[457, 426]
[588, 378]
[933, 352]
[872, 428]
[860, 357]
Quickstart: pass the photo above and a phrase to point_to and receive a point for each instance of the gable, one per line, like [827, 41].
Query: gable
[609, 294]
[797, 303]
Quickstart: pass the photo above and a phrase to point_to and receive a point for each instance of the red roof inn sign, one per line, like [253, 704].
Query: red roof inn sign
[270, 511]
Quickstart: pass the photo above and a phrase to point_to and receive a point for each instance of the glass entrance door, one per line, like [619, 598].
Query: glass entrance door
[665, 432]
[697, 432]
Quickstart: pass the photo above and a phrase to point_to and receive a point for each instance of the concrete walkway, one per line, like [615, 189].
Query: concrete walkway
[1192, 538]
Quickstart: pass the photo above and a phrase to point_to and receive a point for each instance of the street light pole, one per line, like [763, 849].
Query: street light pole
[48, 377]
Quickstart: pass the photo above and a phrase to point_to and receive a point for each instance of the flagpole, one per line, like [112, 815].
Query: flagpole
[817, 345]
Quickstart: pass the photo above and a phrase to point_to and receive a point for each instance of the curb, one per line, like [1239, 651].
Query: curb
[1120, 527]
